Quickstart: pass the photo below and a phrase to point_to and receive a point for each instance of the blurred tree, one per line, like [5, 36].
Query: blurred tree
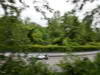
[55, 29]
[88, 33]
[76, 66]
[72, 27]
[10, 7]
[19, 67]
[97, 34]
[80, 32]
[13, 31]
[12, 67]
[39, 35]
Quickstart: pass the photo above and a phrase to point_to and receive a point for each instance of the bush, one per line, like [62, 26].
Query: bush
[94, 44]
[20, 67]
[80, 66]
[85, 48]
[48, 48]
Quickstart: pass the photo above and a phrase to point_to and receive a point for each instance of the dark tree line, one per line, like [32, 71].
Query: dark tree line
[62, 30]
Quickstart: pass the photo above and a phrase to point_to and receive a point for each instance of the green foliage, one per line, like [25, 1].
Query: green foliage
[79, 32]
[75, 65]
[87, 32]
[12, 67]
[55, 29]
[19, 67]
[66, 32]
[71, 26]
[39, 35]
[55, 48]
[97, 34]
[48, 48]
[69, 42]
[85, 48]
[12, 32]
